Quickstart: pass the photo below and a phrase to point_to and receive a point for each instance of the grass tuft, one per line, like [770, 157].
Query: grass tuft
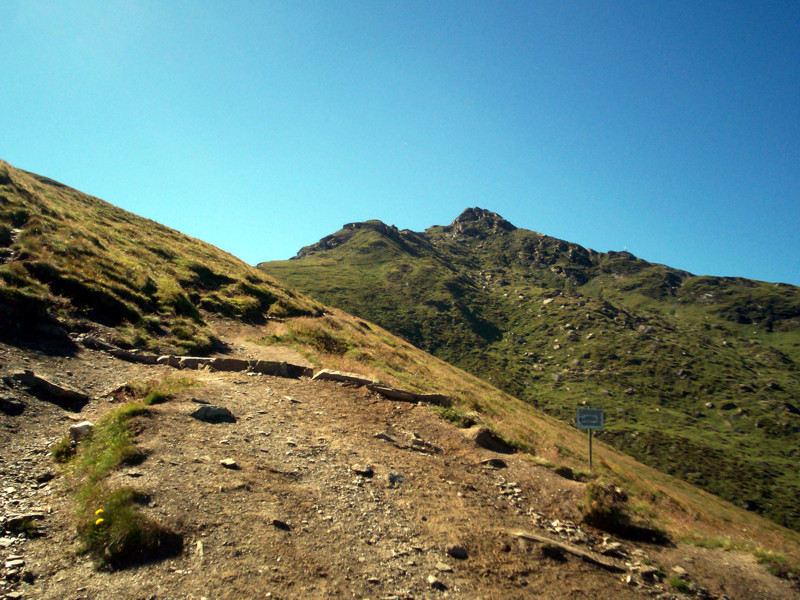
[110, 524]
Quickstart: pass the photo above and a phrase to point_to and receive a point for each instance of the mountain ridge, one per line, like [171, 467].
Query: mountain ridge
[558, 325]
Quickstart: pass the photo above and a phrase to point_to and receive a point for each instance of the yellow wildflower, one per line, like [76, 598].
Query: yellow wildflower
[100, 520]
[99, 511]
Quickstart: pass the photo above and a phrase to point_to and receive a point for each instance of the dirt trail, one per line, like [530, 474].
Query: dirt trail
[296, 519]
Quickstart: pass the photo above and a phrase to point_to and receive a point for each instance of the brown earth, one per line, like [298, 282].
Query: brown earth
[347, 535]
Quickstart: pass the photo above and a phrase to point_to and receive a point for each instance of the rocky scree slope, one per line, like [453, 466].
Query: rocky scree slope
[698, 375]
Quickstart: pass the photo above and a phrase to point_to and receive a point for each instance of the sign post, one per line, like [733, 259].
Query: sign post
[590, 419]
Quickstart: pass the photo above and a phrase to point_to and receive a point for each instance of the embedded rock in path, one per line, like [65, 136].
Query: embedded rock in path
[494, 463]
[392, 393]
[171, 361]
[64, 396]
[352, 378]
[229, 364]
[229, 463]
[192, 362]
[279, 369]
[134, 356]
[211, 413]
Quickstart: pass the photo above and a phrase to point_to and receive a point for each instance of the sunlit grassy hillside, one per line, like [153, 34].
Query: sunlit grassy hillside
[698, 375]
[82, 259]
[69, 257]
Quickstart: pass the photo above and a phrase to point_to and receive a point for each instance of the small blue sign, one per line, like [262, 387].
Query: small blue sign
[590, 418]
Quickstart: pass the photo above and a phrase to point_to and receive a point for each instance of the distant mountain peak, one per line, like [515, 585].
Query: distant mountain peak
[479, 221]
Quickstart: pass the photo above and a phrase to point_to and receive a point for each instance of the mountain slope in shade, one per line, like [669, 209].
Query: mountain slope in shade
[698, 375]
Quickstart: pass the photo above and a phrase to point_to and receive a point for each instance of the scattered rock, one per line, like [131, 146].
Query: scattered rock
[486, 438]
[11, 406]
[44, 477]
[229, 463]
[494, 463]
[728, 406]
[395, 479]
[384, 436]
[649, 574]
[80, 430]
[420, 445]
[277, 523]
[680, 572]
[211, 413]
[443, 567]
[457, 551]
[611, 549]
[364, 471]
[19, 523]
[436, 583]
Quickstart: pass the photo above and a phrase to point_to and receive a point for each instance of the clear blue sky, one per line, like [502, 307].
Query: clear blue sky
[670, 128]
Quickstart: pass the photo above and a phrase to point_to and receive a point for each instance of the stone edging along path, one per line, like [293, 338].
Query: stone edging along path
[264, 367]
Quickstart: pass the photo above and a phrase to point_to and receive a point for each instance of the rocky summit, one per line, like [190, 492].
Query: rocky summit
[175, 423]
[694, 373]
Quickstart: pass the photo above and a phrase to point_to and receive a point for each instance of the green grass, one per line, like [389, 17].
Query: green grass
[776, 562]
[109, 521]
[681, 585]
[81, 258]
[458, 416]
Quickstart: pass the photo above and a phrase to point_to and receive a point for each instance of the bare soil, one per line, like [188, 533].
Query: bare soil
[296, 519]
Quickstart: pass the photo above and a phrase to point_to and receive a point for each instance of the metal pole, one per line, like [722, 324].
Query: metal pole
[590, 449]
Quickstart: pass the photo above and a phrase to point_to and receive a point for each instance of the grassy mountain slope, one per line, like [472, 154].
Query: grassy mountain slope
[84, 261]
[698, 375]
[79, 263]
